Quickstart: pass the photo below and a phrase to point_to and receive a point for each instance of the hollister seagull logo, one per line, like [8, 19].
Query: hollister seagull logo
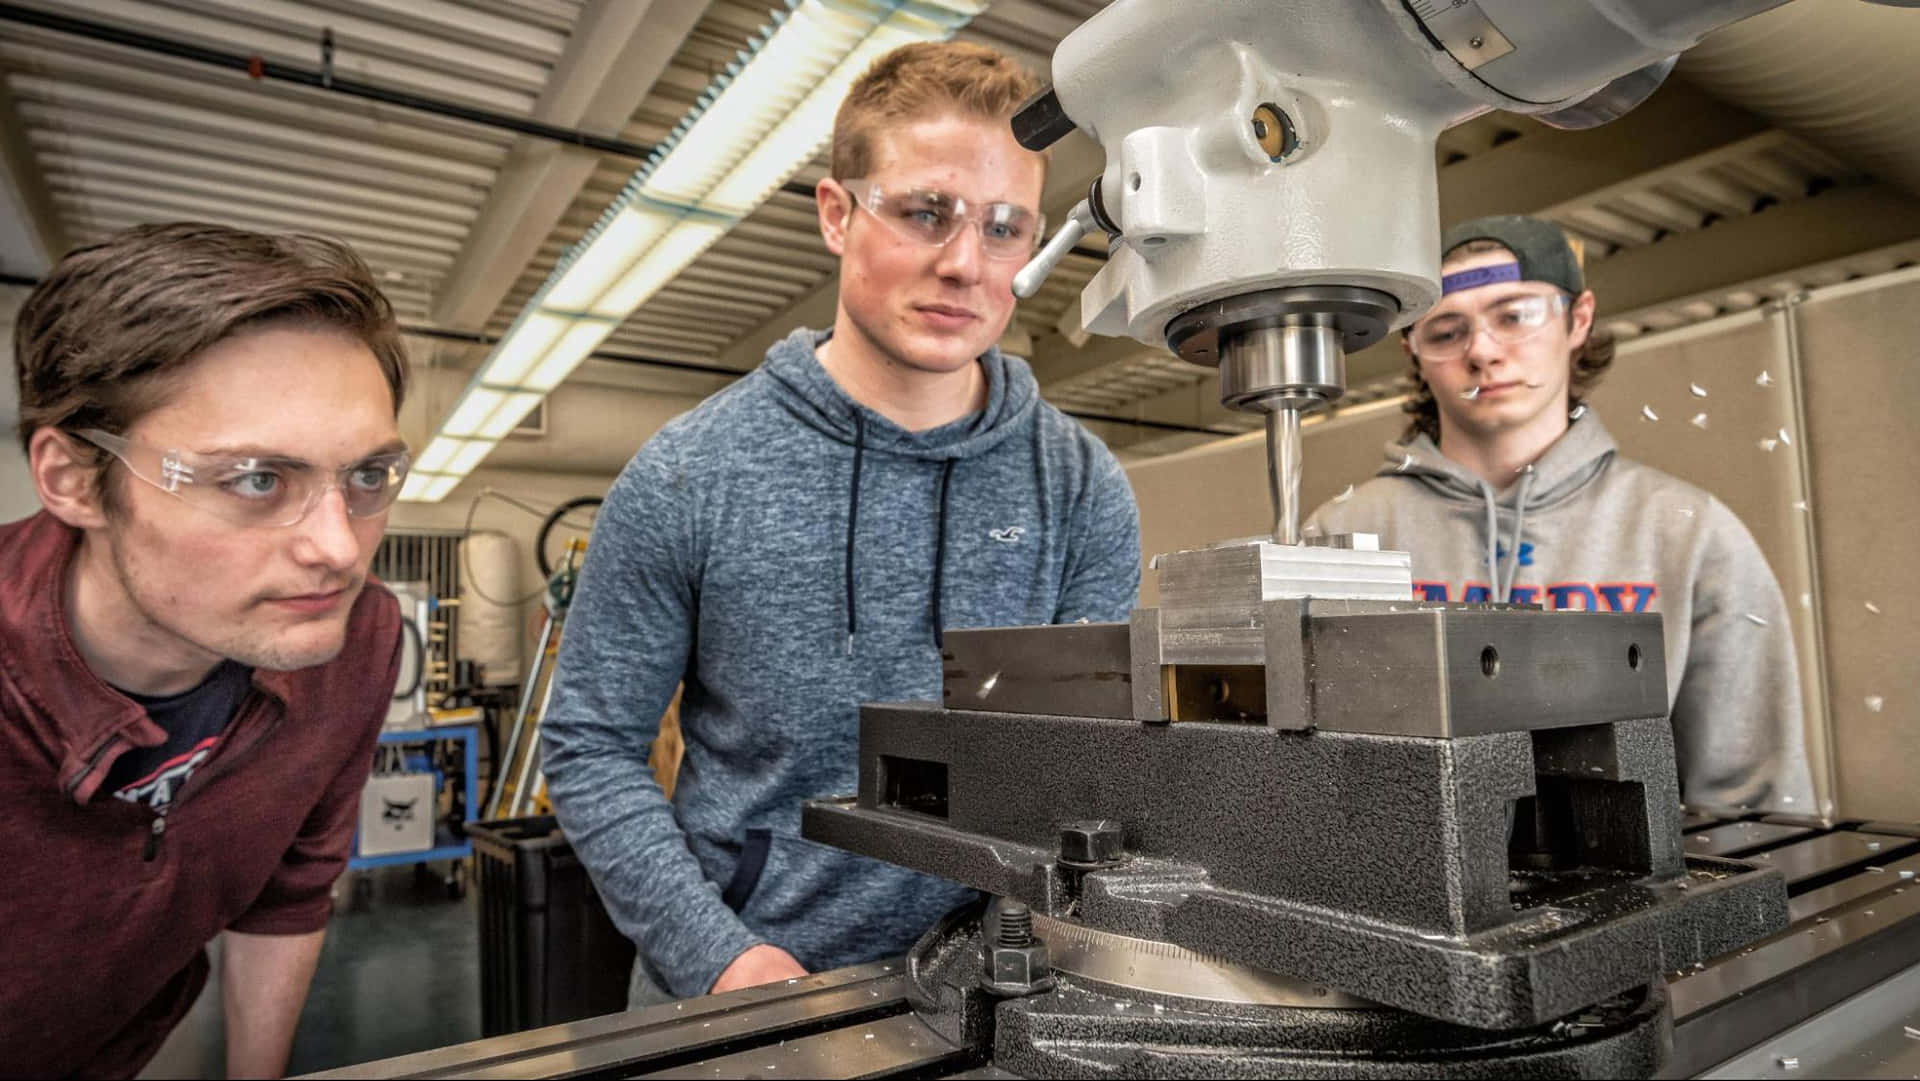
[397, 812]
[1009, 535]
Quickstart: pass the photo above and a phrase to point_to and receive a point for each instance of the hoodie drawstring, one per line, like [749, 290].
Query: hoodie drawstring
[1493, 541]
[853, 516]
[1501, 585]
[1513, 546]
[940, 554]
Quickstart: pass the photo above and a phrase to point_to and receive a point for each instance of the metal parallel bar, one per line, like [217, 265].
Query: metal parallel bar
[1751, 996]
[1870, 1035]
[1697, 820]
[1815, 903]
[662, 1035]
[1815, 857]
[1737, 838]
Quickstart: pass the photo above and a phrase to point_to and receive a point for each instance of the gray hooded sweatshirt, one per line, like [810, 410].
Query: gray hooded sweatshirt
[1584, 529]
[790, 554]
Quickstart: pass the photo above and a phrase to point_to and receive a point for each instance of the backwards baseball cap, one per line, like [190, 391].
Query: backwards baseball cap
[1541, 248]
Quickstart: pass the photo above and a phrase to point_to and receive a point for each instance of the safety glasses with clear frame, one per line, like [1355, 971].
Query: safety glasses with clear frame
[932, 217]
[1509, 321]
[265, 491]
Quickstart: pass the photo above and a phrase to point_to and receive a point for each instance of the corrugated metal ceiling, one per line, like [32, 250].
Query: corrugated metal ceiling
[121, 136]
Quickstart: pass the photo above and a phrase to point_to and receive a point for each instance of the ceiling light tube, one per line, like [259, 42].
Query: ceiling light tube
[526, 342]
[438, 453]
[415, 489]
[664, 263]
[476, 405]
[609, 251]
[439, 488]
[566, 354]
[514, 409]
[469, 456]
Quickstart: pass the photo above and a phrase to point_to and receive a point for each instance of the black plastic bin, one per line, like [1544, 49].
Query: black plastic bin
[548, 951]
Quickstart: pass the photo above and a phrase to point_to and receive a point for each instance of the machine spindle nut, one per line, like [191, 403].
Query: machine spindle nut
[1094, 843]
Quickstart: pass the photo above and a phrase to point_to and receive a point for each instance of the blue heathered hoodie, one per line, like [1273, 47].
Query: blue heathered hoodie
[790, 554]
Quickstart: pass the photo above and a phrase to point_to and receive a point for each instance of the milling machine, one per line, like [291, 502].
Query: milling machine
[1292, 821]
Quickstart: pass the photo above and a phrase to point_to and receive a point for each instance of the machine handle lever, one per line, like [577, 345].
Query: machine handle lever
[1079, 220]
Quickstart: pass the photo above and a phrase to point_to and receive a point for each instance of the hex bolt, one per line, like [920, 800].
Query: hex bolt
[1013, 962]
[1092, 843]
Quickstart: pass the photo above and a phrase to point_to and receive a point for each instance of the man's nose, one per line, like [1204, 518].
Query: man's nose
[326, 534]
[963, 258]
[1482, 348]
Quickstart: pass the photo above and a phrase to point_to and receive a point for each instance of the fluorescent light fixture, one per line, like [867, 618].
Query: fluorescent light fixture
[566, 355]
[504, 419]
[759, 122]
[469, 456]
[438, 453]
[438, 489]
[475, 406]
[625, 237]
[526, 342]
[678, 248]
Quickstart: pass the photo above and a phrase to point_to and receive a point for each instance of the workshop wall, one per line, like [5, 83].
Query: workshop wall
[1861, 386]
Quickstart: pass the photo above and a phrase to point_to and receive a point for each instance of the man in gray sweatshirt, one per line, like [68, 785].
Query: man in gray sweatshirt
[798, 544]
[1508, 488]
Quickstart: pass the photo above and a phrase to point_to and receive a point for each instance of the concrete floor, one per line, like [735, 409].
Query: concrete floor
[402, 975]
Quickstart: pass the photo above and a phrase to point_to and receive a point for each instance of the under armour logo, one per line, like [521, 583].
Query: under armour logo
[1009, 535]
[1526, 553]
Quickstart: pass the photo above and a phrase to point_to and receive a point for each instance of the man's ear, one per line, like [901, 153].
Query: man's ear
[834, 205]
[66, 479]
[1580, 317]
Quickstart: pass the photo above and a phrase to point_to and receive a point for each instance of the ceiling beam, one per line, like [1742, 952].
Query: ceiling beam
[616, 52]
[1756, 250]
[1545, 167]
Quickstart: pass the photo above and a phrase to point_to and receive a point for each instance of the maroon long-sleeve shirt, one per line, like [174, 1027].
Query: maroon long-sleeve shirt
[106, 916]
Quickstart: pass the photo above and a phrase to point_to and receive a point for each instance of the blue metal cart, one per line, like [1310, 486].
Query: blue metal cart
[446, 845]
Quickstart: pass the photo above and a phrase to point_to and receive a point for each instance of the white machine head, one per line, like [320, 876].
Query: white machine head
[1269, 188]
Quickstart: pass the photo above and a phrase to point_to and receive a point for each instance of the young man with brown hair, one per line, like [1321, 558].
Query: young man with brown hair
[192, 673]
[1507, 488]
[797, 545]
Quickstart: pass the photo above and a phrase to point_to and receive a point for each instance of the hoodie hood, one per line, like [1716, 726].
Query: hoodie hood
[1572, 463]
[803, 387]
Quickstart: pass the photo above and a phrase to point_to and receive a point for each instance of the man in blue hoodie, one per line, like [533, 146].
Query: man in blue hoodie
[797, 545]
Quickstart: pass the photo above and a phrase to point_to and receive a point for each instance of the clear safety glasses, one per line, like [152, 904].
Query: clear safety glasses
[934, 218]
[258, 490]
[1509, 322]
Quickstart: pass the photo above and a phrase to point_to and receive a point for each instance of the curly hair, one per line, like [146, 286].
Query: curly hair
[1590, 362]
